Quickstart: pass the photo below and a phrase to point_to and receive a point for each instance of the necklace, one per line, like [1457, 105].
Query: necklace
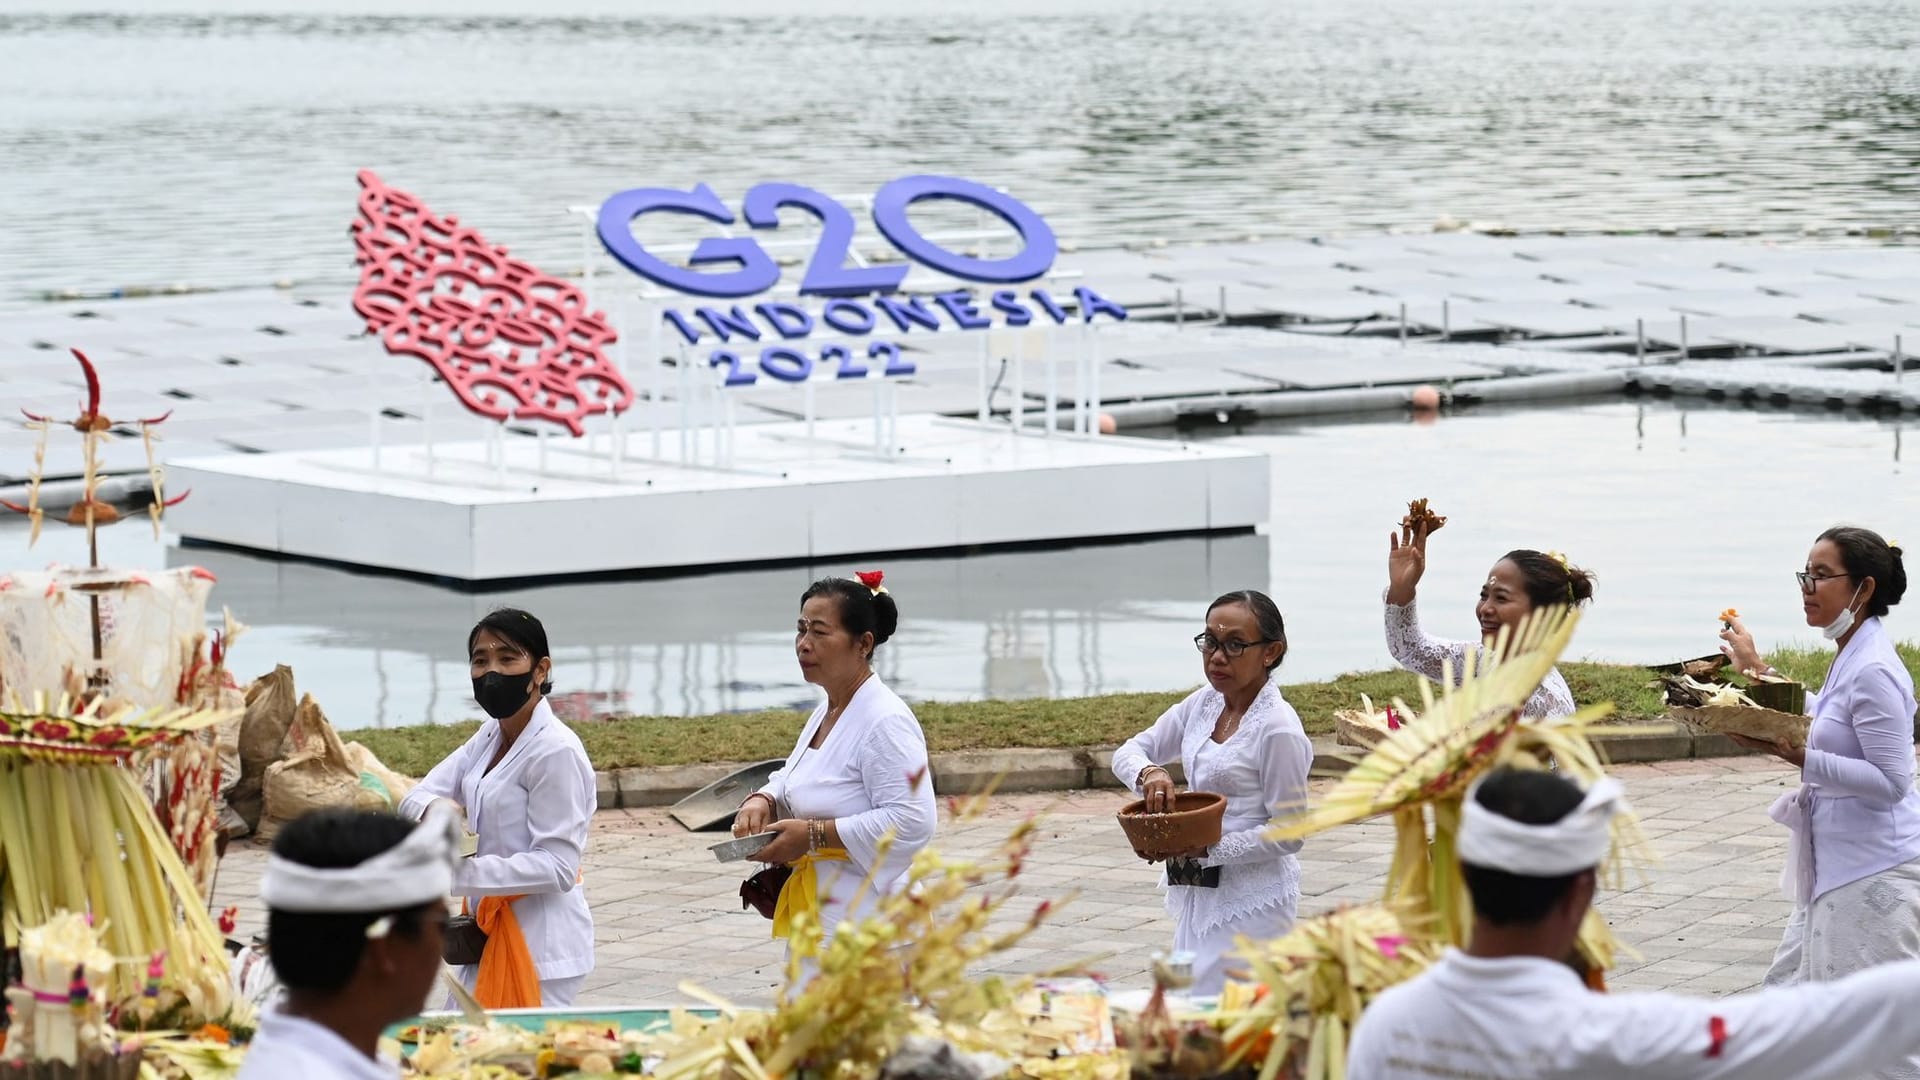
[833, 713]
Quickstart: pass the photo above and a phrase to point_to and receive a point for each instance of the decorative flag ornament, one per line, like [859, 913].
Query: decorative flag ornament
[93, 425]
[872, 579]
[511, 342]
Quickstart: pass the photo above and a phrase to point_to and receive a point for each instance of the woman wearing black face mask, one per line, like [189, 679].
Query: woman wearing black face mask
[528, 790]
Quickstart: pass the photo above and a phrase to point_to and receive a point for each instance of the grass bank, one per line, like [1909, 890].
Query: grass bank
[989, 725]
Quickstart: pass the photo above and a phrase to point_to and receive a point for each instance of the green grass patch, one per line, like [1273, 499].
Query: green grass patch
[1040, 722]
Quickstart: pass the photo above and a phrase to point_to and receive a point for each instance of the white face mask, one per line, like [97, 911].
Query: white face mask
[1843, 622]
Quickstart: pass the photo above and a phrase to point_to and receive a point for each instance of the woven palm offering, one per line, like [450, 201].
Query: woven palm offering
[1365, 727]
[1420, 773]
[78, 834]
[1312, 984]
[1769, 710]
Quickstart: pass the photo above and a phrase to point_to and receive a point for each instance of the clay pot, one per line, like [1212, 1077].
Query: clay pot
[1193, 823]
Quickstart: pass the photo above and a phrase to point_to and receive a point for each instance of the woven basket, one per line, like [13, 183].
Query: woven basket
[1356, 727]
[1193, 823]
[1768, 725]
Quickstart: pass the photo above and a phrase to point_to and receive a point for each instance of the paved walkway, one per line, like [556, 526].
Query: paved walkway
[1705, 922]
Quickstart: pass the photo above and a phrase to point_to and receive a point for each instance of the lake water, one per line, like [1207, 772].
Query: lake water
[1681, 509]
[215, 142]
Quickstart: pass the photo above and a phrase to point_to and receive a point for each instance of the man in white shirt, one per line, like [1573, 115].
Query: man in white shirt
[356, 910]
[1508, 1007]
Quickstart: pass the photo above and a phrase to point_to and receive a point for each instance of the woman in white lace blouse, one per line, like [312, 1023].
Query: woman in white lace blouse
[1237, 737]
[1520, 582]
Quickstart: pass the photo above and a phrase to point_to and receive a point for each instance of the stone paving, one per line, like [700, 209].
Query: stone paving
[1705, 920]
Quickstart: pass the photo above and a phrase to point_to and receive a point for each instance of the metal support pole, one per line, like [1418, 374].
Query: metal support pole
[686, 382]
[1640, 340]
[1179, 309]
[986, 361]
[426, 419]
[1093, 381]
[1403, 324]
[1018, 412]
[1446, 320]
[1683, 337]
[1899, 358]
[1053, 388]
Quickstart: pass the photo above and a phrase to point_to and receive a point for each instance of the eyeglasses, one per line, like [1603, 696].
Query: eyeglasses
[1809, 582]
[1208, 645]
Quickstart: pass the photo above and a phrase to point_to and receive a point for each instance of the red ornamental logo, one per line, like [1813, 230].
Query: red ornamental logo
[512, 342]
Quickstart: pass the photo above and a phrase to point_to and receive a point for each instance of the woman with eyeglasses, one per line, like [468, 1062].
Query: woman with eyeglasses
[1522, 581]
[1237, 737]
[1853, 867]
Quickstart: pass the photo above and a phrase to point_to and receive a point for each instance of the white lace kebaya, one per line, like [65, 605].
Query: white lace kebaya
[1261, 768]
[1414, 650]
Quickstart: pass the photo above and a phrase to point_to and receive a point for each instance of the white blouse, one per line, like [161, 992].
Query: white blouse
[286, 1046]
[1856, 813]
[1414, 650]
[1261, 769]
[870, 777]
[1516, 1016]
[531, 813]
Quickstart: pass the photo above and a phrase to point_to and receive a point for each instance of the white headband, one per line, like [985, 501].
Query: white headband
[1576, 842]
[414, 872]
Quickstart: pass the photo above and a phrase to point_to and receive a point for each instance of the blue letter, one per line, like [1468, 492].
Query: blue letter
[960, 308]
[736, 321]
[1047, 305]
[791, 320]
[757, 272]
[686, 329]
[848, 317]
[1092, 303]
[913, 311]
[1008, 301]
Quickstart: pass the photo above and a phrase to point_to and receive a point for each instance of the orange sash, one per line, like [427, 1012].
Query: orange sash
[507, 978]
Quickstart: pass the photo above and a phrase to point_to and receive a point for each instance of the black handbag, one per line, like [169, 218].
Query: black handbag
[463, 942]
[761, 892]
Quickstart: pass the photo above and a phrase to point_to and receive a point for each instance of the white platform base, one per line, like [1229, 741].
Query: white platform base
[568, 508]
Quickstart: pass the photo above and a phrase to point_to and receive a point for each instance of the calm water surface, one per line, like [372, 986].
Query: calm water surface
[215, 142]
[1681, 510]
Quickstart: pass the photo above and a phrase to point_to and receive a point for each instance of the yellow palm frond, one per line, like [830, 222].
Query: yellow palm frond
[1468, 729]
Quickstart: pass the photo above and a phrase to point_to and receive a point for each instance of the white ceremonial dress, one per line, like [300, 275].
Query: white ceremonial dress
[1853, 863]
[290, 1046]
[1528, 1018]
[1414, 650]
[870, 778]
[532, 814]
[1262, 768]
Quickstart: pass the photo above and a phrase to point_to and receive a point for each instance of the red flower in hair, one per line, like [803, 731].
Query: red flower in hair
[871, 578]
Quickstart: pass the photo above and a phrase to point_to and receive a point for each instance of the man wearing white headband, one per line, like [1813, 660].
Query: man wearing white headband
[356, 908]
[1509, 1007]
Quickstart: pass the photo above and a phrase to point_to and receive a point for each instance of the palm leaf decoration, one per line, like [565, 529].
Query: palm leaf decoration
[1424, 768]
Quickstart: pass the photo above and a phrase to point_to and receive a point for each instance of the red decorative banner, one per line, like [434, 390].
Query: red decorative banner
[512, 342]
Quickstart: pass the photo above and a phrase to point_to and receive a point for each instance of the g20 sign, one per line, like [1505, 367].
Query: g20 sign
[726, 268]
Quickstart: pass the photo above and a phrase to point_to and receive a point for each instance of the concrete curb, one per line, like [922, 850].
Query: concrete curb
[963, 772]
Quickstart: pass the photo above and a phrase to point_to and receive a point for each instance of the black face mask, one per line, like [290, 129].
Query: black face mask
[502, 695]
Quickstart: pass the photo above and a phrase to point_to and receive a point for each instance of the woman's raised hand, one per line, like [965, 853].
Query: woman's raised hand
[1739, 648]
[1406, 561]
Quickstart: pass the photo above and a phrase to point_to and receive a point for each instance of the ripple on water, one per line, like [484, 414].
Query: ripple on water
[221, 149]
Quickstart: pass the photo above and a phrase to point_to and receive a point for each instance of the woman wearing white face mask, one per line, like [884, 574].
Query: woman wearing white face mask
[1854, 864]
